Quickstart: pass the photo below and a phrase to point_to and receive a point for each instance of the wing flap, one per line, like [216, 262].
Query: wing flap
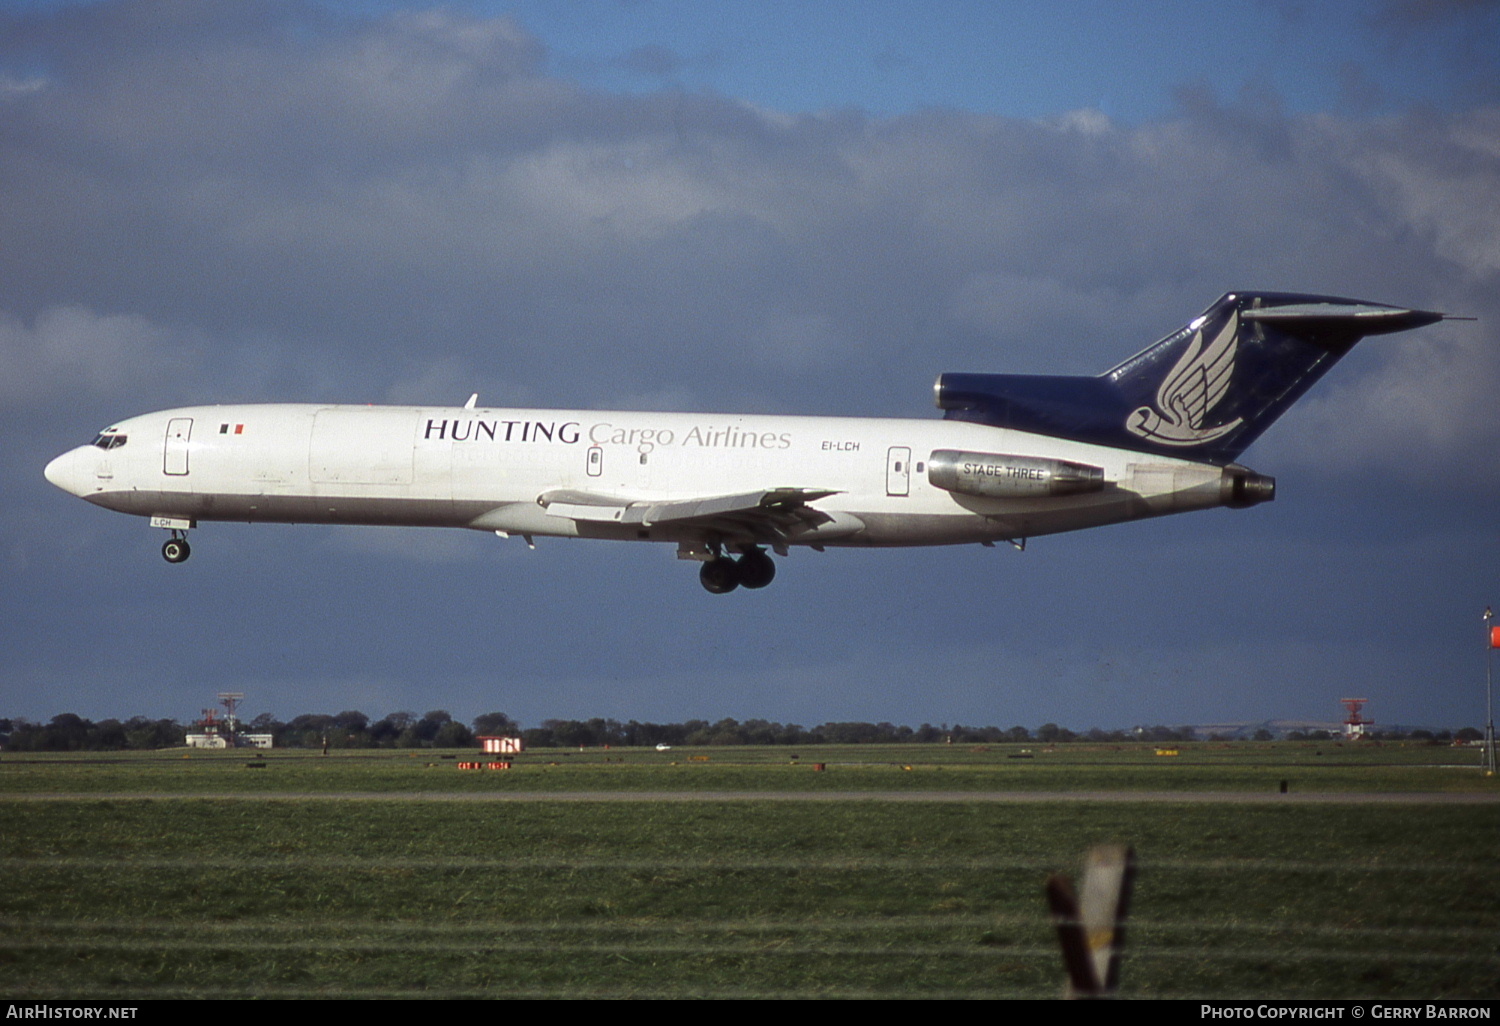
[770, 515]
[775, 499]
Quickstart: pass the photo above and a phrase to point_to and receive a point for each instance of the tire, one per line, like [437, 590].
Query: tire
[176, 550]
[719, 576]
[756, 569]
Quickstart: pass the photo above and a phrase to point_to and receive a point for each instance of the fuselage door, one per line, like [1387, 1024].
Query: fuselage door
[898, 470]
[373, 446]
[175, 455]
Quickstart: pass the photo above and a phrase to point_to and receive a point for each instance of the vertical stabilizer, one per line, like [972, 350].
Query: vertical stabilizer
[1205, 392]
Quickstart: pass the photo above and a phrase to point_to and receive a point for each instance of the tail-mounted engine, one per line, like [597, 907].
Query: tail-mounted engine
[999, 476]
[1240, 487]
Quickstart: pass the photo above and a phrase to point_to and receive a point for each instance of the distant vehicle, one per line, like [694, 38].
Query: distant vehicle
[1015, 456]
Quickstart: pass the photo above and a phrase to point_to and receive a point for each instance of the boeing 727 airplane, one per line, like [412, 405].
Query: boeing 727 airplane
[1014, 456]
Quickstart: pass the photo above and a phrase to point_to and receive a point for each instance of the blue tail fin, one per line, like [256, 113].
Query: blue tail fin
[1205, 392]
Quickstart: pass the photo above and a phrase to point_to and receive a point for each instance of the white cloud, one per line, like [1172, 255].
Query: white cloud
[1424, 417]
[70, 350]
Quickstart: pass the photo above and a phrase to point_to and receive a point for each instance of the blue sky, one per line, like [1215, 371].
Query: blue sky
[767, 208]
[1021, 59]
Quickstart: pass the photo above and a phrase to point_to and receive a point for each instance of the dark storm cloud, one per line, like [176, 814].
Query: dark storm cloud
[212, 202]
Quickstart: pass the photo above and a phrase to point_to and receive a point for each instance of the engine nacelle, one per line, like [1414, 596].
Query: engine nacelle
[999, 476]
[1241, 487]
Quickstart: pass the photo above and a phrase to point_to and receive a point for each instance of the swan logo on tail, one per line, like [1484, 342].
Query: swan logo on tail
[1193, 388]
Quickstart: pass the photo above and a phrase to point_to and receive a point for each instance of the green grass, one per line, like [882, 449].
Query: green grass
[1200, 766]
[202, 892]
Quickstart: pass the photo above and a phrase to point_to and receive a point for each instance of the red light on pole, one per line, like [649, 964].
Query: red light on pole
[1489, 693]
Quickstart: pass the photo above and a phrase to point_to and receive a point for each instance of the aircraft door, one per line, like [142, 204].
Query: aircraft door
[898, 470]
[595, 461]
[643, 461]
[175, 449]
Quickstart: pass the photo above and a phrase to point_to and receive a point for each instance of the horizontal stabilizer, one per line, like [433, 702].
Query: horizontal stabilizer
[1358, 318]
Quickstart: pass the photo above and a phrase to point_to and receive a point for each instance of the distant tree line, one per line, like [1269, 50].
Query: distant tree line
[438, 729]
[1435, 736]
[71, 733]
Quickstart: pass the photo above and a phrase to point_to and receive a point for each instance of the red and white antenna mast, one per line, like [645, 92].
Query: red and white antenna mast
[230, 700]
[1354, 723]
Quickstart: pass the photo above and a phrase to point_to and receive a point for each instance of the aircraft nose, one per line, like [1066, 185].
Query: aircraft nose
[68, 472]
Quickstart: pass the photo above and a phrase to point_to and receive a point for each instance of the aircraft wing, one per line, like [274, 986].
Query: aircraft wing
[770, 516]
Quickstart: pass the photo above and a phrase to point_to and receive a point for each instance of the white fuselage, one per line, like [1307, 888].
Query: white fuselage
[490, 469]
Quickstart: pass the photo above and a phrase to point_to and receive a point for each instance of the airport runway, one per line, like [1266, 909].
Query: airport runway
[947, 797]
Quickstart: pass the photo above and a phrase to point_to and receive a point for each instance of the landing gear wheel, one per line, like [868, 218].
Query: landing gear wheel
[719, 576]
[756, 569]
[176, 550]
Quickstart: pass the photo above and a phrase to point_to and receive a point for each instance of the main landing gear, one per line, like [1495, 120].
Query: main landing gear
[722, 574]
[176, 549]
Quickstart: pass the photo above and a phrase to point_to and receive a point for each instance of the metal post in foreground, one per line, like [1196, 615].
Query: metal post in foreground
[1092, 931]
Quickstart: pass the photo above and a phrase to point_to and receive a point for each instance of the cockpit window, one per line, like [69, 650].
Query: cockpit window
[109, 440]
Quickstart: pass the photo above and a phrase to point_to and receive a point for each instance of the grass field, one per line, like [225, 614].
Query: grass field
[162, 876]
[1240, 767]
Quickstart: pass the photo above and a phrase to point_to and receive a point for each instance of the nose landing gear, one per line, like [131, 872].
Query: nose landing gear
[176, 549]
[722, 574]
